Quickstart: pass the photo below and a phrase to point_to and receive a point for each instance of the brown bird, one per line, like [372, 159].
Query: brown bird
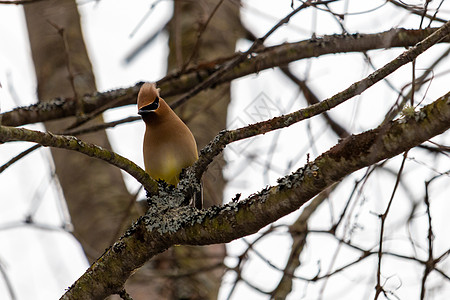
[169, 145]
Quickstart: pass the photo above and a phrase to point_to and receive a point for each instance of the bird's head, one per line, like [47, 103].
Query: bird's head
[148, 99]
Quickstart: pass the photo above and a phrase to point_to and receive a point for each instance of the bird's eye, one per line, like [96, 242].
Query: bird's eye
[154, 105]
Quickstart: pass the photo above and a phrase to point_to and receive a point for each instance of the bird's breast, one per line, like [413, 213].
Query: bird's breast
[167, 150]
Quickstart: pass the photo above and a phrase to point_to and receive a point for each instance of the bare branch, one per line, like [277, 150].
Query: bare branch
[379, 288]
[225, 137]
[8, 134]
[417, 11]
[179, 83]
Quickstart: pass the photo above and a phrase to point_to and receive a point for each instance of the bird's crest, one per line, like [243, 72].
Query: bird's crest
[148, 94]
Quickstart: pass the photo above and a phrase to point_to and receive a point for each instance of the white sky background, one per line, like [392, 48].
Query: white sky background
[38, 271]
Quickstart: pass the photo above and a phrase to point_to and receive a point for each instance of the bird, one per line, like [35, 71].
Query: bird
[169, 145]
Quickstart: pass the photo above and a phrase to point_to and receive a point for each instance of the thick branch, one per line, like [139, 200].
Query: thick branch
[154, 233]
[264, 58]
[8, 134]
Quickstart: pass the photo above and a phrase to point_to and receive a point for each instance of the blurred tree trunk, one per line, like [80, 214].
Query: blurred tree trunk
[95, 191]
[205, 115]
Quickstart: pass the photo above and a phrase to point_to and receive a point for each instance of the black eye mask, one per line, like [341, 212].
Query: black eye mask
[149, 108]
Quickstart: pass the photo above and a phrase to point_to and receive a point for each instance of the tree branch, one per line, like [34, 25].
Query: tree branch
[8, 134]
[179, 83]
[156, 231]
[225, 137]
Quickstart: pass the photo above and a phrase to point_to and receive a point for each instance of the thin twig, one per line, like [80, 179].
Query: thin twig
[199, 36]
[61, 32]
[379, 288]
[416, 11]
[8, 283]
[18, 157]
[125, 216]
[397, 107]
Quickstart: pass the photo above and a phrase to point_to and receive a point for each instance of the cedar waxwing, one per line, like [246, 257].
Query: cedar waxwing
[169, 145]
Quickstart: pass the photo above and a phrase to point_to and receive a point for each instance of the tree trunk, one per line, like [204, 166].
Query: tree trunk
[95, 191]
